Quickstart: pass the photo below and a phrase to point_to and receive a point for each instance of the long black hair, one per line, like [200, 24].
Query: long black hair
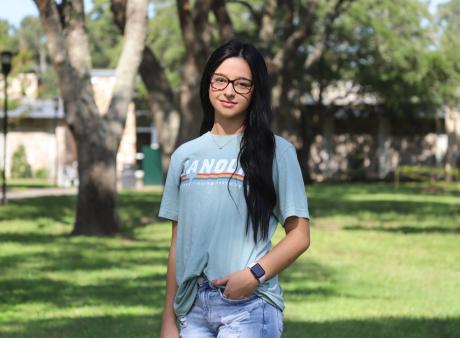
[257, 146]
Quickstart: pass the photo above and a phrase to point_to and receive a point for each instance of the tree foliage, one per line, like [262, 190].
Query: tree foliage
[105, 39]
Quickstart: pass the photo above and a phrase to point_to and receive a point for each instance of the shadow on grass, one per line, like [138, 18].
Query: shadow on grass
[129, 291]
[54, 208]
[303, 279]
[346, 188]
[332, 207]
[137, 209]
[407, 229]
[126, 326]
[72, 260]
[77, 244]
[376, 328]
[133, 326]
[81, 271]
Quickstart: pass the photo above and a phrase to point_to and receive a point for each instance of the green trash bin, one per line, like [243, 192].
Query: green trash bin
[151, 164]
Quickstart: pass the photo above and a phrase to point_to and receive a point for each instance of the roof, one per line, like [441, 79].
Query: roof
[37, 109]
[97, 72]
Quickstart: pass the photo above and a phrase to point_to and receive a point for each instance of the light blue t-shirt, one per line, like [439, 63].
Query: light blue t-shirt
[211, 236]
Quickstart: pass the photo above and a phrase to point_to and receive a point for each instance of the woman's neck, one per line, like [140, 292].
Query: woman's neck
[219, 129]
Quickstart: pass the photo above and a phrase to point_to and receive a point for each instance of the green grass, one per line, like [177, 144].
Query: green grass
[382, 263]
[19, 184]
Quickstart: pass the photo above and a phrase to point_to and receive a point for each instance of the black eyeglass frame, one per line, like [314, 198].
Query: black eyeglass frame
[232, 82]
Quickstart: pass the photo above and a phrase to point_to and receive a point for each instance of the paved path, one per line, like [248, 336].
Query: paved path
[38, 192]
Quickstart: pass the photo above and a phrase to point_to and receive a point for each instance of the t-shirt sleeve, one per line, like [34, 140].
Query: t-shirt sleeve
[289, 187]
[169, 207]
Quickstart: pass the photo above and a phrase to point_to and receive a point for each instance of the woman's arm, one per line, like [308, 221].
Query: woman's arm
[283, 254]
[242, 283]
[169, 327]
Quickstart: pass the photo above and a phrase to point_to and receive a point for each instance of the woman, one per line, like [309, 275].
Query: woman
[225, 193]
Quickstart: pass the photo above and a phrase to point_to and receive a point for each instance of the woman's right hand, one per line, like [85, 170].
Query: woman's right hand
[169, 329]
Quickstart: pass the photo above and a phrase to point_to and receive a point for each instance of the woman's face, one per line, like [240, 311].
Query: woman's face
[232, 101]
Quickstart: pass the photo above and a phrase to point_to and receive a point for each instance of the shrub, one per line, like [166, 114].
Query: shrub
[20, 168]
[41, 173]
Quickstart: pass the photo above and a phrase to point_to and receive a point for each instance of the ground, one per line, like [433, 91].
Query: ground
[382, 263]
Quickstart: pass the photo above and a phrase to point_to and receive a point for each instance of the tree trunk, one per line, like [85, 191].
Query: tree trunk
[97, 187]
[307, 135]
[194, 26]
[190, 105]
[452, 123]
[163, 104]
[97, 135]
[383, 147]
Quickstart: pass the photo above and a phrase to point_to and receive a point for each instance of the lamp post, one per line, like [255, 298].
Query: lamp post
[56, 124]
[6, 57]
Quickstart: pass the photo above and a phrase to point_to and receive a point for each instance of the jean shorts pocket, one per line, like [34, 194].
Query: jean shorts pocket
[235, 301]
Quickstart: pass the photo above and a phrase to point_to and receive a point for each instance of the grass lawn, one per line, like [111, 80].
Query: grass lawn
[382, 263]
[20, 184]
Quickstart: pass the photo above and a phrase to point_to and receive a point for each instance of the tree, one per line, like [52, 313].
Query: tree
[96, 133]
[104, 37]
[383, 48]
[281, 30]
[32, 39]
[449, 49]
[199, 35]
[168, 106]
[8, 40]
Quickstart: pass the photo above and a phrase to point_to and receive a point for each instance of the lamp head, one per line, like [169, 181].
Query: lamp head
[6, 57]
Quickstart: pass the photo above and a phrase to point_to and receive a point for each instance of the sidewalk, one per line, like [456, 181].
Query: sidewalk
[39, 192]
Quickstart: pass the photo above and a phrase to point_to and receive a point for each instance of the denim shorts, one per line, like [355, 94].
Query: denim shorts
[214, 315]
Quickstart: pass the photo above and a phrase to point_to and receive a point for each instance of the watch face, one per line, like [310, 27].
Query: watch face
[257, 269]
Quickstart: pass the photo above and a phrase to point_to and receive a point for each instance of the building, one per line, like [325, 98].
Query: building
[39, 126]
[355, 137]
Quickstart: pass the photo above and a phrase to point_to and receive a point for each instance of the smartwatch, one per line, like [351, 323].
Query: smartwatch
[257, 271]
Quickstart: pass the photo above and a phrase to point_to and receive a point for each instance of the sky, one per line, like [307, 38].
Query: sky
[15, 10]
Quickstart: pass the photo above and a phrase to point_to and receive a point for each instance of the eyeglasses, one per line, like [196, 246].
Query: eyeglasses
[241, 85]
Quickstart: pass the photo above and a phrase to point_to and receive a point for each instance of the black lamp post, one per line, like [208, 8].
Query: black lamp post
[6, 57]
[56, 124]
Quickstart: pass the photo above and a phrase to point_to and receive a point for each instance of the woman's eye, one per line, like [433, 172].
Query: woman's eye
[220, 79]
[243, 84]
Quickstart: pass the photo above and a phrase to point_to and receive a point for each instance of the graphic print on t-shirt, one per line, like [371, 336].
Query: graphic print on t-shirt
[211, 171]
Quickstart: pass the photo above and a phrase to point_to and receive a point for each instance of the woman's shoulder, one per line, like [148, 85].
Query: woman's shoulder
[282, 145]
[188, 147]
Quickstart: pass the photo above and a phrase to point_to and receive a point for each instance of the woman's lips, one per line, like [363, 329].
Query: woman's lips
[228, 104]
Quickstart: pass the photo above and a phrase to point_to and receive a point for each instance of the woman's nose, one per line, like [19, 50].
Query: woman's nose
[229, 91]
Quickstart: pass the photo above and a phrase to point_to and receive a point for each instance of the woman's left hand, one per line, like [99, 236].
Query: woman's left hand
[238, 285]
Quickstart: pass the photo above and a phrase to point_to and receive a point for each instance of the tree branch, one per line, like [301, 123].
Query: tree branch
[297, 37]
[135, 31]
[267, 24]
[194, 25]
[55, 39]
[76, 38]
[288, 19]
[224, 22]
[322, 43]
[256, 16]
[118, 9]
